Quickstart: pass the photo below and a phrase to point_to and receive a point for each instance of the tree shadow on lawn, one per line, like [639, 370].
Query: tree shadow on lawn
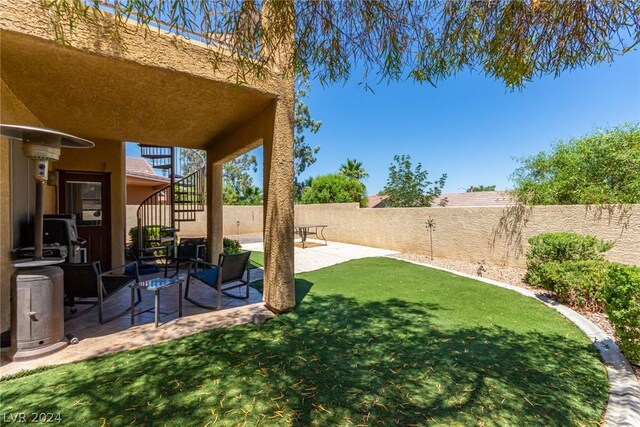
[335, 360]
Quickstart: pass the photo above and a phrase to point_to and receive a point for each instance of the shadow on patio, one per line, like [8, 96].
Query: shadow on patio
[118, 335]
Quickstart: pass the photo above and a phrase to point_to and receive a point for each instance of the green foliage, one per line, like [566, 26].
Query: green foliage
[238, 188]
[191, 160]
[600, 168]
[353, 169]
[303, 154]
[425, 41]
[560, 247]
[478, 188]
[150, 232]
[576, 283]
[230, 246]
[334, 188]
[407, 187]
[622, 295]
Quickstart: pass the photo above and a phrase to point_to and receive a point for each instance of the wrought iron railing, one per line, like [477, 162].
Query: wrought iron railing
[159, 215]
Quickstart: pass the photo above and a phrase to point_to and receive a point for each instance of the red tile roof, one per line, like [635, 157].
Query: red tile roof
[377, 201]
[140, 168]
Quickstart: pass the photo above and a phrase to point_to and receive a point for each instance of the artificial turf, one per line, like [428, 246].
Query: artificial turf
[257, 259]
[374, 341]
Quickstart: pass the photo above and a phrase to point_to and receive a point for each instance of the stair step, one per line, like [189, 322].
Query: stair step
[164, 166]
[155, 156]
[153, 146]
[166, 239]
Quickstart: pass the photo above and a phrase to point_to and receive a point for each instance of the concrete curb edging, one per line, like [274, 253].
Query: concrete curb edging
[623, 403]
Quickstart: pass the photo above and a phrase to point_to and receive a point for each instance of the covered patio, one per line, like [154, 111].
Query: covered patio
[160, 90]
[119, 335]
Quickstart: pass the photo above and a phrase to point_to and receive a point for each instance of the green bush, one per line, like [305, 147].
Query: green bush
[149, 232]
[576, 283]
[334, 188]
[560, 247]
[230, 246]
[622, 296]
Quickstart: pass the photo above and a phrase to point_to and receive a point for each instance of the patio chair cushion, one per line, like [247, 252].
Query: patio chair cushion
[208, 276]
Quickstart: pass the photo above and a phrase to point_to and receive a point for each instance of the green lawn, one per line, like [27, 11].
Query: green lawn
[375, 341]
[257, 259]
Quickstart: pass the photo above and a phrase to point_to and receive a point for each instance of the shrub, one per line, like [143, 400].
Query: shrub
[334, 188]
[576, 283]
[561, 247]
[622, 296]
[149, 232]
[230, 246]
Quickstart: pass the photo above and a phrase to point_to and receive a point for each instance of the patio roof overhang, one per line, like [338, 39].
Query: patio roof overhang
[115, 98]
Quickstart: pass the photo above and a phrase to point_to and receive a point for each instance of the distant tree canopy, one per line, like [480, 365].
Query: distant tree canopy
[478, 188]
[238, 188]
[513, 41]
[304, 155]
[600, 168]
[409, 187]
[353, 169]
[334, 188]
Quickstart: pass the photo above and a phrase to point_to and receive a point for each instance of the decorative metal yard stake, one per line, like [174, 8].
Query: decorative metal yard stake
[431, 225]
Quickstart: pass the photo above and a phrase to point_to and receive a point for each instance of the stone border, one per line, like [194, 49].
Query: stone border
[623, 404]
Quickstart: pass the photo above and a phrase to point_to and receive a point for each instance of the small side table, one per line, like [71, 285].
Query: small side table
[155, 285]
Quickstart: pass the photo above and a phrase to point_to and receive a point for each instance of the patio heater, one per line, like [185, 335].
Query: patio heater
[37, 287]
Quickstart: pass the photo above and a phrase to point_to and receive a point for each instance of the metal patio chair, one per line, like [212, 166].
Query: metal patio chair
[227, 275]
[87, 284]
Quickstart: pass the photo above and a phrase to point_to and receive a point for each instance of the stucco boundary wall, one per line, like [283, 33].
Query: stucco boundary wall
[497, 235]
[237, 220]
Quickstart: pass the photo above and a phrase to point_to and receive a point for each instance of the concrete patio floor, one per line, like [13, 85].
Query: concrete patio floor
[119, 335]
[316, 255]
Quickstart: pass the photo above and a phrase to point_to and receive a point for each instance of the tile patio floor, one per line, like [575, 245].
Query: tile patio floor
[119, 335]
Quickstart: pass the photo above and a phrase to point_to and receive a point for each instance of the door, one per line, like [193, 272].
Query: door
[87, 195]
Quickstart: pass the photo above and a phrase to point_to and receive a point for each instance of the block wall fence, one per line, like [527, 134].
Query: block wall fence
[497, 235]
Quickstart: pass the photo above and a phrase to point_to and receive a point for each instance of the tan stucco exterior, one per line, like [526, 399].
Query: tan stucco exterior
[138, 189]
[160, 89]
[106, 156]
[496, 234]
[12, 110]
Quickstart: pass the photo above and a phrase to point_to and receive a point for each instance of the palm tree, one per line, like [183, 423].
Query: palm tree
[353, 169]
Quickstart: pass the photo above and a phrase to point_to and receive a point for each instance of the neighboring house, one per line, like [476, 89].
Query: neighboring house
[377, 201]
[142, 180]
[472, 199]
[155, 91]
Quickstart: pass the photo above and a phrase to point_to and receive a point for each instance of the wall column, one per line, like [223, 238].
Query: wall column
[214, 210]
[279, 291]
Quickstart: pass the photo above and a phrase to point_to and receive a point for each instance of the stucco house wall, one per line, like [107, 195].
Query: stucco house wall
[12, 110]
[160, 89]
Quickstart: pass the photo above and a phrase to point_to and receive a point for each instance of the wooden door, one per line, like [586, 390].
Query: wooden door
[88, 196]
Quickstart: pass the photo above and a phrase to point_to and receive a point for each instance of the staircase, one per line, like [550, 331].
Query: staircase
[159, 215]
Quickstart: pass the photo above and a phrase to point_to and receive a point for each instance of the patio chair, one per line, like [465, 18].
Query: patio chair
[87, 284]
[225, 276]
[188, 250]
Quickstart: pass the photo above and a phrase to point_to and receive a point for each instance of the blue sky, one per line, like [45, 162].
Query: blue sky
[469, 126]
